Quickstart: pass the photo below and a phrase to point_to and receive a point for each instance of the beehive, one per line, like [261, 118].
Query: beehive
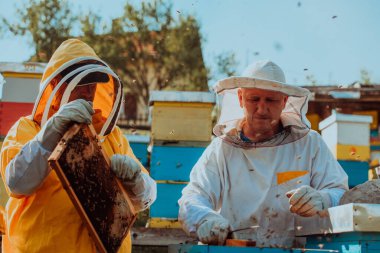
[99, 197]
[139, 145]
[347, 136]
[314, 120]
[181, 116]
[19, 88]
[373, 114]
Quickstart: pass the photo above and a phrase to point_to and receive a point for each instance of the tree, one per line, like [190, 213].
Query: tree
[311, 79]
[226, 64]
[150, 48]
[365, 77]
[47, 21]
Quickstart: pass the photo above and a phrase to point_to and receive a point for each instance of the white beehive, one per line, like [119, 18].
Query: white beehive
[347, 136]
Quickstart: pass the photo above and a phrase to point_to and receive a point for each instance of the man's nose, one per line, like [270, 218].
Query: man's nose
[262, 107]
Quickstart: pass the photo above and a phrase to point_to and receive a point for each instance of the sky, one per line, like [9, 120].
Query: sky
[331, 41]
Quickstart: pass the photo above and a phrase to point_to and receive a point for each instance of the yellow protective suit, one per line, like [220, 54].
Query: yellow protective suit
[47, 221]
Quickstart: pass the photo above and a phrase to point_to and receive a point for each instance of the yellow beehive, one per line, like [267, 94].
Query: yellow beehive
[314, 120]
[181, 116]
[163, 223]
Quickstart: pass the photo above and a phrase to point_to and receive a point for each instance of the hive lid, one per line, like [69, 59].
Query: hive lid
[340, 117]
[181, 96]
[355, 217]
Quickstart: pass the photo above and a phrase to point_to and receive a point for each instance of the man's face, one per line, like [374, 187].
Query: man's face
[86, 92]
[262, 108]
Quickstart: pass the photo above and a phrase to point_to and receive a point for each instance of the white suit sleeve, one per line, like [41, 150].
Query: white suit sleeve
[27, 170]
[201, 197]
[327, 175]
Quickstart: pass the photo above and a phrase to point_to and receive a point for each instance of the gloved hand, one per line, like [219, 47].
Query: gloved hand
[125, 167]
[79, 111]
[30, 166]
[141, 188]
[213, 230]
[306, 201]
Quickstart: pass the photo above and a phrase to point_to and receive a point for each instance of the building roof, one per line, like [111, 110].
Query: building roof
[23, 67]
[355, 91]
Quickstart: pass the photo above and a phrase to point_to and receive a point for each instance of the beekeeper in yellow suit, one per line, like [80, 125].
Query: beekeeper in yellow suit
[76, 86]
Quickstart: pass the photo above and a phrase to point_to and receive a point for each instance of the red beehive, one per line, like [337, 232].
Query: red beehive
[19, 86]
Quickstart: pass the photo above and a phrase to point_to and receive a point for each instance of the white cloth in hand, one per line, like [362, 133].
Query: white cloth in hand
[213, 230]
[306, 201]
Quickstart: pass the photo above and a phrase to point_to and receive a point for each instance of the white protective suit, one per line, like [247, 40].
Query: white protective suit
[247, 184]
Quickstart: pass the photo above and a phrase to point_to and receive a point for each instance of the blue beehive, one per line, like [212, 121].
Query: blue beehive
[181, 130]
[139, 145]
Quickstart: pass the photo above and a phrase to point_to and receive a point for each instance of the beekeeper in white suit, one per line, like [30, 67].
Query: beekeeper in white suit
[266, 169]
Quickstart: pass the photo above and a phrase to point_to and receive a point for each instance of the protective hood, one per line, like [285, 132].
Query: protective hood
[264, 75]
[74, 63]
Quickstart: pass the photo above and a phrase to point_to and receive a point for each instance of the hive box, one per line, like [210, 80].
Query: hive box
[174, 162]
[166, 204]
[347, 136]
[139, 145]
[355, 217]
[181, 116]
[19, 86]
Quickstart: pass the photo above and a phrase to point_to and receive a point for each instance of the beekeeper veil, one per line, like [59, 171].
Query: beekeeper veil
[264, 75]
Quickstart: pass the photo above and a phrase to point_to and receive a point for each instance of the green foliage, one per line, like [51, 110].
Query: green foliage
[311, 79]
[47, 21]
[150, 49]
[226, 64]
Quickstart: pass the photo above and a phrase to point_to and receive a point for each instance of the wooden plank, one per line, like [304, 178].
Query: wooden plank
[240, 243]
[99, 197]
[160, 236]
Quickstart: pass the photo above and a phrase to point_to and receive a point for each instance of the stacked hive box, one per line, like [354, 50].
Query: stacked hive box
[374, 142]
[348, 137]
[181, 130]
[19, 85]
[139, 145]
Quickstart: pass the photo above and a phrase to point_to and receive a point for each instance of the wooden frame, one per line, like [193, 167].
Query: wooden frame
[99, 197]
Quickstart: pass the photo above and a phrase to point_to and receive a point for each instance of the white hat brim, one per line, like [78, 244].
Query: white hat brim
[234, 82]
